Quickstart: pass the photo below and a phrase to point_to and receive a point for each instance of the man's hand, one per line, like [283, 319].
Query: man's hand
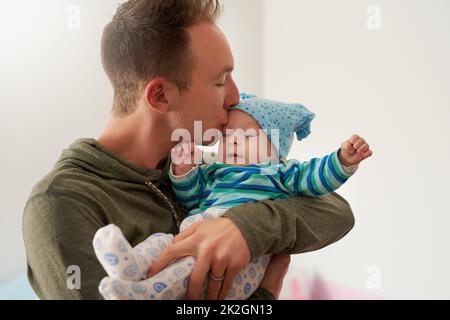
[220, 249]
[275, 273]
[185, 156]
[353, 151]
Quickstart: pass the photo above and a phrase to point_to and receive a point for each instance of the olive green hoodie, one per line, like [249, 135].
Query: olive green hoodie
[90, 187]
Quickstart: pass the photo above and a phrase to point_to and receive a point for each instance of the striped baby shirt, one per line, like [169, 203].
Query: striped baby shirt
[226, 186]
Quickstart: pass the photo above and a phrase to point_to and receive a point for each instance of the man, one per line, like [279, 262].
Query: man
[169, 65]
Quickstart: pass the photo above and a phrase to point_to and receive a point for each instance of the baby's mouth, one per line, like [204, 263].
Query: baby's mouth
[234, 155]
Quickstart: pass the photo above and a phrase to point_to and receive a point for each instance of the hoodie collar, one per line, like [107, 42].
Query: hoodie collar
[93, 157]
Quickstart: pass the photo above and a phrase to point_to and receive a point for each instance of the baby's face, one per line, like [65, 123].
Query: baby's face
[244, 142]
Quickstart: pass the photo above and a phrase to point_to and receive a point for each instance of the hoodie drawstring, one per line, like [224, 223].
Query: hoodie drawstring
[158, 192]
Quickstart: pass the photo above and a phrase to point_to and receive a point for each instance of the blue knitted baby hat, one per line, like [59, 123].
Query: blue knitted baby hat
[271, 115]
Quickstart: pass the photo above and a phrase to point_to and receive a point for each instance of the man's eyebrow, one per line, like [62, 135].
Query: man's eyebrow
[224, 71]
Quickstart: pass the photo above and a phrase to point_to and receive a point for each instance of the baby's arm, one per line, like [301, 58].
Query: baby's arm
[321, 176]
[186, 178]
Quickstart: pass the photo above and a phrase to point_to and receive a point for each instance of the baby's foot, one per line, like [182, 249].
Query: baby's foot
[169, 284]
[123, 262]
[115, 254]
[117, 289]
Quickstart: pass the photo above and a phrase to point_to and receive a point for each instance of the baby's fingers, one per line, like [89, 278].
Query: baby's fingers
[359, 143]
[348, 147]
[177, 155]
[363, 149]
[188, 147]
[368, 154]
[354, 138]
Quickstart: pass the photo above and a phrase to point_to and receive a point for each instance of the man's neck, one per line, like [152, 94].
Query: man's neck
[138, 140]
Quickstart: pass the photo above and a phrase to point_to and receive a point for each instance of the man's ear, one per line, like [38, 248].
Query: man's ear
[156, 95]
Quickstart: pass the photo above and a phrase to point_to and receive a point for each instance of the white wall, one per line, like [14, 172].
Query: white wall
[393, 87]
[242, 23]
[52, 91]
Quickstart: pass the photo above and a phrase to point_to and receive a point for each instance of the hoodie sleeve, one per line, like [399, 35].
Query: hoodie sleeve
[58, 233]
[294, 225]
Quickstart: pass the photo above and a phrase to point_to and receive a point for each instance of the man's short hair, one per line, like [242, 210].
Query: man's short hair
[148, 39]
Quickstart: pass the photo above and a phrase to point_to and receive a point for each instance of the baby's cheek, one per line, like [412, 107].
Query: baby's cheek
[269, 149]
[264, 150]
[251, 151]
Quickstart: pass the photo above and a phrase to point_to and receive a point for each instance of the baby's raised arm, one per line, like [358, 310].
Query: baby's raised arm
[325, 175]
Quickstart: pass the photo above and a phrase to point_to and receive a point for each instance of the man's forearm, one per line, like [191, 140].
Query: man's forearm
[293, 225]
[261, 294]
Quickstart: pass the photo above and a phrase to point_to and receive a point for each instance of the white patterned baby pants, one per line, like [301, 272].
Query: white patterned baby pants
[127, 267]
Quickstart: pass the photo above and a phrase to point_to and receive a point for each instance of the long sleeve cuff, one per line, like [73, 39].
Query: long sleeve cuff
[346, 172]
[187, 177]
[351, 170]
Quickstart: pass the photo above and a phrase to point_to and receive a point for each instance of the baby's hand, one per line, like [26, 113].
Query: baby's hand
[353, 151]
[185, 156]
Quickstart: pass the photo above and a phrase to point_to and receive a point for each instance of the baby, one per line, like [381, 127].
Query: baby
[251, 166]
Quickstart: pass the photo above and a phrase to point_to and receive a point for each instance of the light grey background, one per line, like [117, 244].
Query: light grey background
[390, 85]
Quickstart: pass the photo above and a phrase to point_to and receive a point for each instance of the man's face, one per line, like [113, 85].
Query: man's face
[212, 88]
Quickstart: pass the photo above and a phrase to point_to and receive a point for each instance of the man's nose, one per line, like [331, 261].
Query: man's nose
[233, 97]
